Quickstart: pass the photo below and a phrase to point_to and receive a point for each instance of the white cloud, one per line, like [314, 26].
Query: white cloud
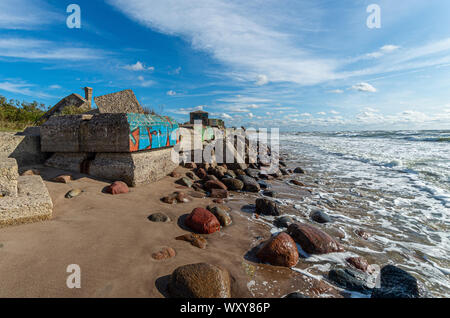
[336, 91]
[383, 50]
[138, 67]
[262, 80]
[171, 93]
[334, 112]
[26, 48]
[22, 89]
[55, 86]
[321, 113]
[364, 87]
[26, 15]
[250, 115]
[226, 116]
[306, 115]
[145, 83]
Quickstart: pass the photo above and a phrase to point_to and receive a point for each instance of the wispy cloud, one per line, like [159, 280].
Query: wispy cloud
[139, 66]
[23, 88]
[364, 87]
[27, 15]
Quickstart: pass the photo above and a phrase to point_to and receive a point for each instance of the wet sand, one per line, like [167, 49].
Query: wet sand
[112, 240]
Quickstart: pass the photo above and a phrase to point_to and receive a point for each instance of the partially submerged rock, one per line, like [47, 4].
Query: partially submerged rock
[350, 279]
[313, 240]
[202, 221]
[222, 215]
[358, 262]
[279, 250]
[320, 217]
[266, 207]
[159, 217]
[299, 170]
[283, 221]
[200, 280]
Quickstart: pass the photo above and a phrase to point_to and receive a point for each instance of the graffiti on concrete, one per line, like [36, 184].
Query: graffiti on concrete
[151, 132]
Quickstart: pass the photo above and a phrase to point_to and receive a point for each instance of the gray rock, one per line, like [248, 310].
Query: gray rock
[269, 193]
[185, 182]
[320, 216]
[250, 184]
[283, 221]
[254, 173]
[296, 295]
[299, 170]
[397, 283]
[159, 217]
[350, 279]
[233, 184]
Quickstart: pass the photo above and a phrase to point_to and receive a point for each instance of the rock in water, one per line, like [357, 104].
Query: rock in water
[73, 193]
[313, 240]
[279, 250]
[296, 182]
[165, 253]
[266, 207]
[283, 221]
[222, 215]
[195, 240]
[296, 295]
[200, 280]
[202, 221]
[358, 262]
[299, 170]
[320, 216]
[159, 217]
[250, 184]
[233, 184]
[350, 279]
[270, 193]
[117, 187]
[397, 283]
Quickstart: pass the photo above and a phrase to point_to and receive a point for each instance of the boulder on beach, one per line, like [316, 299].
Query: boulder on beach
[190, 165]
[64, 178]
[313, 240]
[222, 215]
[397, 283]
[279, 250]
[175, 174]
[320, 217]
[270, 193]
[117, 187]
[159, 217]
[192, 176]
[185, 182]
[283, 221]
[267, 207]
[250, 184]
[200, 280]
[295, 295]
[176, 197]
[202, 221]
[299, 170]
[201, 173]
[214, 184]
[218, 193]
[73, 193]
[233, 184]
[195, 240]
[358, 263]
[254, 173]
[350, 279]
[298, 183]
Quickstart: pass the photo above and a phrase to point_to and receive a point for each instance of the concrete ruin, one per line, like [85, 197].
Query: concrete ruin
[121, 102]
[75, 100]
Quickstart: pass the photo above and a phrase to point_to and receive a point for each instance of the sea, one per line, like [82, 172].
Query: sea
[394, 185]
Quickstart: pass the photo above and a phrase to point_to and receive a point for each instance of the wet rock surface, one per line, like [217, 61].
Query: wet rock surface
[195, 240]
[279, 250]
[313, 240]
[267, 207]
[159, 217]
[350, 279]
[117, 187]
[202, 221]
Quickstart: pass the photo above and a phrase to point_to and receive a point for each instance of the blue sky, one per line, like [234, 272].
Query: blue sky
[292, 64]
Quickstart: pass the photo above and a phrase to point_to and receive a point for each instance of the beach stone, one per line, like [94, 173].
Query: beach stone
[250, 184]
[233, 184]
[198, 187]
[117, 187]
[299, 170]
[159, 217]
[165, 253]
[192, 175]
[219, 193]
[358, 262]
[73, 193]
[200, 280]
[201, 173]
[269, 193]
[63, 178]
[231, 174]
[211, 177]
[284, 172]
[190, 165]
[313, 240]
[222, 215]
[320, 216]
[202, 221]
[266, 207]
[282, 163]
[31, 172]
[363, 234]
[213, 184]
[296, 295]
[175, 174]
[397, 283]
[350, 279]
[279, 250]
[195, 240]
[263, 184]
[283, 221]
[219, 171]
[277, 174]
[254, 173]
[221, 206]
[176, 197]
[185, 182]
[218, 200]
[296, 182]
[239, 172]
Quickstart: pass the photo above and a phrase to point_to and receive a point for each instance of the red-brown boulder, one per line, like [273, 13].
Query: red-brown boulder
[215, 184]
[359, 263]
[117, 187]
[202, 221]
[279, 250]
[219, 193]
[313, 240]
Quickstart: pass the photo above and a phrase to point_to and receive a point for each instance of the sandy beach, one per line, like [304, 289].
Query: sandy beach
[112, 240]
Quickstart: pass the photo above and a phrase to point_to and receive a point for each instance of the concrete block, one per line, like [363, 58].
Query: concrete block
[70, 161]
[24, 147]
[108, 133]
[8, 177]
[32, 204]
